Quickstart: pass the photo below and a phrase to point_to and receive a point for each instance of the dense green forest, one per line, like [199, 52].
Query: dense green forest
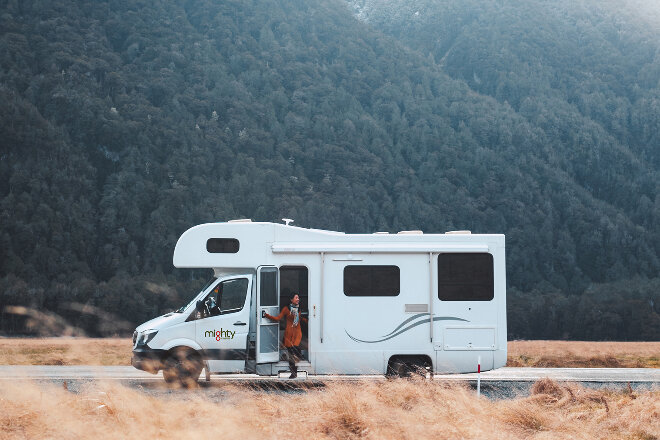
[123, 123]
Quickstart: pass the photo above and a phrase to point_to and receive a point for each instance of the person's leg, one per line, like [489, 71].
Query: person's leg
[297, 354]
[292, 362]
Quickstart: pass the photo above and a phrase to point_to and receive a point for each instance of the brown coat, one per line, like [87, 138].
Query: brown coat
[292, 335]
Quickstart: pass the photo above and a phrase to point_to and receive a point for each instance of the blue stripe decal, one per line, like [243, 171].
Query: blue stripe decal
[407, 321]
[391, 335]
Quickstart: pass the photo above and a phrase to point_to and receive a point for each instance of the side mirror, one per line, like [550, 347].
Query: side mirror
[200, 306]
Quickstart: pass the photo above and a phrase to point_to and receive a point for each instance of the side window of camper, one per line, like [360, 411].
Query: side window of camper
[372, 280]
[465, 277]
[222, 245]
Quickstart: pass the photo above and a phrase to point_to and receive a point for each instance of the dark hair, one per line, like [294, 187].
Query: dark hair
[293, 294]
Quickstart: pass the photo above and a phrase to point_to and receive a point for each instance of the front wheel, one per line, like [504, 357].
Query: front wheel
[182, 367]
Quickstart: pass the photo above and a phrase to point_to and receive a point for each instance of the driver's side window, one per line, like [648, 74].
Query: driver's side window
[226, 297]
[233, 295]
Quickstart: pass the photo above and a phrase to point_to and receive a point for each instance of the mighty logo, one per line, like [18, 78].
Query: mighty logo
[220, 334]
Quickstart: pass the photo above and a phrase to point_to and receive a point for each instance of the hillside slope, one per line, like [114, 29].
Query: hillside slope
[124, 123]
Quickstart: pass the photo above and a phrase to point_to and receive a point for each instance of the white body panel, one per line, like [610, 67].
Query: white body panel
[224, 337]
[358, 335]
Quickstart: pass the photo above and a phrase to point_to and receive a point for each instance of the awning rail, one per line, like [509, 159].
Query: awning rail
[396, 248]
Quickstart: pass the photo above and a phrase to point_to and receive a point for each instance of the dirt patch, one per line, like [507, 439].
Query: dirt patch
[65, 351]
[583, 354]
[117, 351]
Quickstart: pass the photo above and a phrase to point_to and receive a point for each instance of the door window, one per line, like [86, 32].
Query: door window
[268, 287]
[233, 295]
[226, 297]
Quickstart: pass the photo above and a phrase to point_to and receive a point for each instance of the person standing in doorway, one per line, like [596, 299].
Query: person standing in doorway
[292, 332]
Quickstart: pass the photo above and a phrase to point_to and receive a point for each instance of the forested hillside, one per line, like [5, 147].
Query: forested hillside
[123, 123]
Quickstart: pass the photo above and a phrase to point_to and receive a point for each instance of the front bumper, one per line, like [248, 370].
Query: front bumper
[148, 359]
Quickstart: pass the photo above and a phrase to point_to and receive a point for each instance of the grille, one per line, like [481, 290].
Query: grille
[417, 308]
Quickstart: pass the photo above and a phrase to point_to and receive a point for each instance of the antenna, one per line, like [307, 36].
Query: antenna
[287, 221]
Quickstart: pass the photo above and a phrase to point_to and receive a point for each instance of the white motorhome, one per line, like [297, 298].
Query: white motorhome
[376, 303]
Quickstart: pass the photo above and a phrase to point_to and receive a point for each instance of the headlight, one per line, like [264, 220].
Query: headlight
[146, 336]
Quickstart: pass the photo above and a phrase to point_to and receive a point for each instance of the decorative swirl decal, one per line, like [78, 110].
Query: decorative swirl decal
[412, 318]
[397, 332]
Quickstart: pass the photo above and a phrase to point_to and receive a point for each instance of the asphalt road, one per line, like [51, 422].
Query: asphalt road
[601, 375]
[503, 383]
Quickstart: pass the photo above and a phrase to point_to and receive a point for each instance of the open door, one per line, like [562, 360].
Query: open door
[268, 301]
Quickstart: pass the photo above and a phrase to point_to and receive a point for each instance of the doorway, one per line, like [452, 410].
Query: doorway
[295, 279]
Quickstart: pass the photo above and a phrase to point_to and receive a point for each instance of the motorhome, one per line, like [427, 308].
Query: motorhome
[378, 303]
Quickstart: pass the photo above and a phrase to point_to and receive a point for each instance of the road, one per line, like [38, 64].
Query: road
[582, 375]
[503, 383]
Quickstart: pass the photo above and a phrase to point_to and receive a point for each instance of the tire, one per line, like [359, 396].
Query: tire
[182, 367]
[397, 368]
[408, 367]
[421, 370]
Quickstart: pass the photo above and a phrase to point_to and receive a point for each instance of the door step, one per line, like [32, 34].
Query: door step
[276, 368]
[283, 364]
[283, 374]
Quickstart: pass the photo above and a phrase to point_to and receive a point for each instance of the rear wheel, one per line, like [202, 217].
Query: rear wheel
[182, 367]
[407, 366]
[397, 368]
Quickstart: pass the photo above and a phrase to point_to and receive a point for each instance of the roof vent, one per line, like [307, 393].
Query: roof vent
[458, 232]
[287, 221]
[410, 232]
[240, 220]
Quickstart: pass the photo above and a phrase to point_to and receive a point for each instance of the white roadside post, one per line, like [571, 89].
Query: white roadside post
[479, 376]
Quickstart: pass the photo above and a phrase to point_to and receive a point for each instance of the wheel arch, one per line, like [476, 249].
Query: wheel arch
[182, 342]
[409, 360]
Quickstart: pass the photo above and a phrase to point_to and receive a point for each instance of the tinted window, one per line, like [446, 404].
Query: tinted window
[233, 294]
[222, 245]
[372, 280]
[465, 277]
[268, 287]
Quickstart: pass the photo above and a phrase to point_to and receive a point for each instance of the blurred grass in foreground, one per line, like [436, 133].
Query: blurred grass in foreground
[117, 351]
[393, 409]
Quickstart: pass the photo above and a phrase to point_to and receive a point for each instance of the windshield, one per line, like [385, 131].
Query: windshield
[208, 283]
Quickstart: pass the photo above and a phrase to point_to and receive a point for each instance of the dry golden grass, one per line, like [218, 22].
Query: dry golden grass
[65, 351]
[117, 351]
[385, 410]
[583, 354]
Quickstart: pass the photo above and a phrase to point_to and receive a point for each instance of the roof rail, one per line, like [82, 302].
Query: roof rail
[458, 232]
[241, 220]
